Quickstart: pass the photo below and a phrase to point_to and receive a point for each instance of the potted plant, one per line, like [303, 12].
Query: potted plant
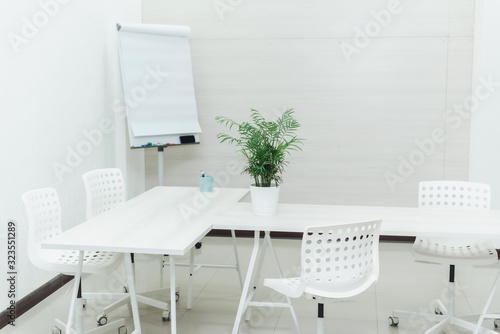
[265, 145]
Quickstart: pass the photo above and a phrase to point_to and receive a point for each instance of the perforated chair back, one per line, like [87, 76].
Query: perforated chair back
[340, 261]
[105, 189]
[43, 211]
[44, 218]
[454, 195]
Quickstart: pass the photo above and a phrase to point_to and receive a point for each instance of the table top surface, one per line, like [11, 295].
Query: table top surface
[163, 220]
[396, 221]
[170, 220]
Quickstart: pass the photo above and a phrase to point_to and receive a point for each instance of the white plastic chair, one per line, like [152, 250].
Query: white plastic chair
[450, 195]
[105, 189]
[337, 262]
[43, 210]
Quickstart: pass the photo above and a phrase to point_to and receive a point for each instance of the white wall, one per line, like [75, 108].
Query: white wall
[58, 83]
[373, 84]
[485, 138]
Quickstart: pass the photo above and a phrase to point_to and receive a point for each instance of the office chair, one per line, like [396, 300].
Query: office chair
[43, 210]
[337, 262]
[450, 195]
[105, 189]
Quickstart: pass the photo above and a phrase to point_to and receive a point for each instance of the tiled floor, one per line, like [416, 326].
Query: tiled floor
[403, 284]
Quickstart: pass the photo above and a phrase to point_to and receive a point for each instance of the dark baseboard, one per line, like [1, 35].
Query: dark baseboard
[296, 235]
[35, 297]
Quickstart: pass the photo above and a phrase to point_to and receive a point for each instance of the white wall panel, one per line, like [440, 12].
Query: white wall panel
[459, 75]
[461, 19]
[299, 19]
[56, 102]
[485, 118]
[363, 119]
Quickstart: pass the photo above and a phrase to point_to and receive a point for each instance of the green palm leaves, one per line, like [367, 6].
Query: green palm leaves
[264, 144]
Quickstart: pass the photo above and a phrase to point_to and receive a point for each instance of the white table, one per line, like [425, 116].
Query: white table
[170, 220]
[163, 220]
[396, 221]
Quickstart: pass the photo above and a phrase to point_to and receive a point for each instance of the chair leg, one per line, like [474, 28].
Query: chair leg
[441, 320]
[484, 313]
[449, 317]
[294, 316]
[321, 319]
[450, 312]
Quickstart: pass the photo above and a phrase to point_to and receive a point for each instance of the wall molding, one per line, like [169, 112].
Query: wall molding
[32, 299]
[296, 235]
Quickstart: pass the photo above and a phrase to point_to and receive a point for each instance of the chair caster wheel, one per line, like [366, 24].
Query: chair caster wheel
[102, 319]
[437, 311]
[165, 315]
[177, 296]
[496, 323]
[122, 330]
[56, 330]
[125, 289]
[393, 321]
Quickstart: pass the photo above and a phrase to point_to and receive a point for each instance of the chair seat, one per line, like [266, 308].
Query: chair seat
[454, 251]
[65, 261]
[337, 261]
[451, 251]
[287, 286]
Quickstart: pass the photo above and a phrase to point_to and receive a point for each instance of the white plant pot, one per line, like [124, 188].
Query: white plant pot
[264, 200]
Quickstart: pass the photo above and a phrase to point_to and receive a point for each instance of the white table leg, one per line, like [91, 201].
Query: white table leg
[233, 235]
[487, 305]
[262, 255]
[173, 309]
[190, 283]
[162, 262]
[257, 277]
[248, 278]
[74, 296]
[276, 262]
[79, 312]
[132, 292]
